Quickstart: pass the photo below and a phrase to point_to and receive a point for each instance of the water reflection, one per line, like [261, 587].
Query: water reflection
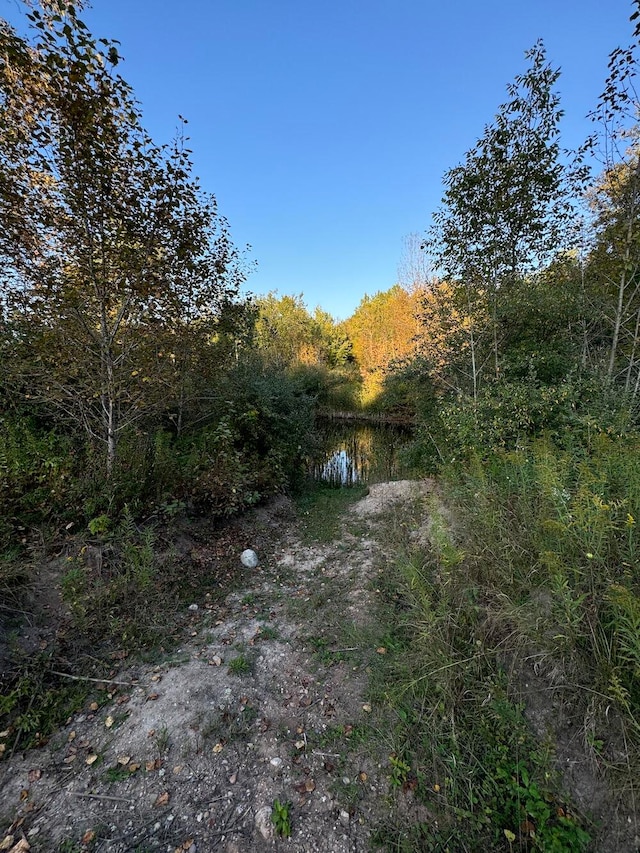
[354, 453]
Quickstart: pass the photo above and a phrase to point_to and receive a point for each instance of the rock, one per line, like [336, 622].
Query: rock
[276, 765]
[193, 607]
[344, 817]
[263, 822]
[249, 559]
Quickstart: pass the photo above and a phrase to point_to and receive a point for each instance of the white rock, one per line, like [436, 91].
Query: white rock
[344, 817]
[263, 822]
[193, 607]
[249, 559]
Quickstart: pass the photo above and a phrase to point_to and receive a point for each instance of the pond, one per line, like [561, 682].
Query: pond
[357, 452]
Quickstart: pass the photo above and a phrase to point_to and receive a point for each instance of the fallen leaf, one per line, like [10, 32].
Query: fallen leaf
[152, 697]
[34, 775]
[309, 786]
[69, 759]
[300, 744]
[510, 836]
[6, 842]
[71, 737]
[162, 799]
[177, 769]
[2, 748]
[5, 733]
[436, 788]
[367, 708]
[24, 794]
[121, 700]
[156, 677]
[91, 759]
[362, 777]
[93, 706]
[124, 759]
[381, 650]
[216, 660]
[21, 847]
[109, 721]
[88, 837]
[133, 767]
[187, 844]
[217, 748]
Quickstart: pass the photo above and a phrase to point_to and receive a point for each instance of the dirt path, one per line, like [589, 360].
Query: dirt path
[267, 701]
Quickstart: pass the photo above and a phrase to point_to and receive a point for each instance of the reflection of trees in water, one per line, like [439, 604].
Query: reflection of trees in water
[356, 453]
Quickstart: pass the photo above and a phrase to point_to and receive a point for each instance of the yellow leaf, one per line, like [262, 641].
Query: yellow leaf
[109, 721]
[217, 748]
[510, 836]
[124, 759]
[162, 799]
[91, 759]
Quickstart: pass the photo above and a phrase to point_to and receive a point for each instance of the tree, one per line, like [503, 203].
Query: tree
[109, 247]
[614, 263]
[507, 209]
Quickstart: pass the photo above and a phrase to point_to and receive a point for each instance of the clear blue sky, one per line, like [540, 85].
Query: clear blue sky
[324, 128]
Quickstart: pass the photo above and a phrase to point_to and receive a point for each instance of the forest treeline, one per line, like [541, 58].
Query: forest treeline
[137, 380]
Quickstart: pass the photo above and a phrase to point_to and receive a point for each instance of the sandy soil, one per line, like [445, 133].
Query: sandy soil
[260, 704]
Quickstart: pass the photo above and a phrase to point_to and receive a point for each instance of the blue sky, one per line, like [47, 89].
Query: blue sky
[324, 129]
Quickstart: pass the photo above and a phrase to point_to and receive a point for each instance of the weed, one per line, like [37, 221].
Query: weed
[162, 740]
[268, 632]
[229, 725]
[116, 774]
[281, 818]
[321, 509]
[399, 771]
[240, 665]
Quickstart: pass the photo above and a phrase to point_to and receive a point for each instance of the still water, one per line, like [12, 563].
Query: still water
[354, 453]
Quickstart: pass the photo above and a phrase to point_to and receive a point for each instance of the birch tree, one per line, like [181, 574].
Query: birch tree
[107, 238]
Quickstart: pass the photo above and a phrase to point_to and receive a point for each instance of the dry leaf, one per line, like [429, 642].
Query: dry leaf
[5, 733]
[362, 777]
[24, 794]
[187, 844]
[177, 769]
[121, 700]
[91, 759]
[156, 677]
[88, 837]
[381, 650]
[217, 748]
[6, 842]
[300, 744]
[93, 706]
[124, 759]
[133, 768]
[162, 799]
[34, 775]
[309, 786]
[71, 737]
[109, 721]
[3, 746]
[21, 847]
[367, 708]
[216, 660]
[70, 759]
[152, 697]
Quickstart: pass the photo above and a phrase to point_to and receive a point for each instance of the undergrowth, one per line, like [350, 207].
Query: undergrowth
[456, 731]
